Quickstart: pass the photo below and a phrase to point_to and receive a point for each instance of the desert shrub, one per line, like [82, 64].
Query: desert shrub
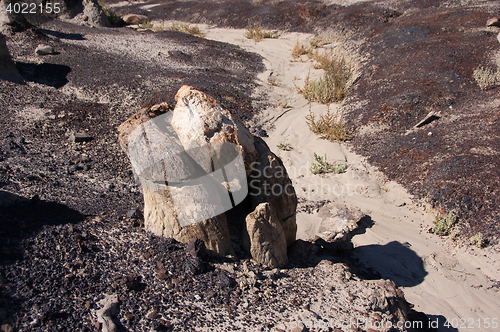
[257, 33]
[321, 166]
[486, 78]
[146, 25]
[478, 240]
[284, 146]
[318, 42]
[273, 81]
[333, 85]
[299, 50]
[329, 126]
[443, 225]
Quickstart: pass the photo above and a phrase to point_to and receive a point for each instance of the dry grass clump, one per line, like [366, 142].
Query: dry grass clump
[333, 86]
[487, 78]
[299, 50]
[256, 33]
[329, 126]
[183, 27]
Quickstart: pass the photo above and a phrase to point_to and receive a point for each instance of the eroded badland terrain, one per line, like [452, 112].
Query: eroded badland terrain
[78, 250]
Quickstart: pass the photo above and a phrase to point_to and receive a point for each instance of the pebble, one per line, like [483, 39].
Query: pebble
[43, 49]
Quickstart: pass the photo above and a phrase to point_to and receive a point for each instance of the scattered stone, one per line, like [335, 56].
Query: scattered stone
[80, 137]
[493, 22]
[225, 280]
[338, 222]
[197, 248]
[43, 49]
[134, 214]
[108, 312]
[135, 19]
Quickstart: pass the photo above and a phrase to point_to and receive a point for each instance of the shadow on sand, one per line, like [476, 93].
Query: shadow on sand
[394, 261]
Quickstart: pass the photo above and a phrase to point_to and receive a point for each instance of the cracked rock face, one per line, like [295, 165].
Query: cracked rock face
[197, 162]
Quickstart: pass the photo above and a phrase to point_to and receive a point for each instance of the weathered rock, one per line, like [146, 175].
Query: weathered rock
[135, 19]
[80, 137]
[269, 182]
[108, 312]
[267, 237]
[92, 15]
[493, 22]
[8, 69]
[43, 49]
[338, 222]
[10, 21]
[193, 167]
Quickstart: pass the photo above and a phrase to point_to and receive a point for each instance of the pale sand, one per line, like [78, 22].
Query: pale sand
[456, 283]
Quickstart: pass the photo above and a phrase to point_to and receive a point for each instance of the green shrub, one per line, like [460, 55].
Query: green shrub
[443, 225]
[478, 240]
[329, 126]
[284, 146]
[321, 166]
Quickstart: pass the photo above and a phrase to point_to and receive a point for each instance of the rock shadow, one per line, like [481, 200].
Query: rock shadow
[63, 35]
[394, 261]
[21, 217]
[46, 73]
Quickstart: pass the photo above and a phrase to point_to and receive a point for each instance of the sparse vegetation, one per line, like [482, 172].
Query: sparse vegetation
[321, 166]
[182, 27]
[146, 25]
[333, 85]
[282, 103]
[299, 50]
[284, 146]
[257, 33]
[318, 42]
[486, 78]
[273, 81]
[443, 225]
[478, 240]
[329, 126]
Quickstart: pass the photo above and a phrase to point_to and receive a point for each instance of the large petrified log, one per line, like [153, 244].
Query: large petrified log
[198, 161]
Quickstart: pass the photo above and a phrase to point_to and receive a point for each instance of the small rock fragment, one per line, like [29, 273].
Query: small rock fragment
[493, 22]
[109, 310]
[43, 49]
[80, 137]
[134, 214]
[197, 249]
[135, 19]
